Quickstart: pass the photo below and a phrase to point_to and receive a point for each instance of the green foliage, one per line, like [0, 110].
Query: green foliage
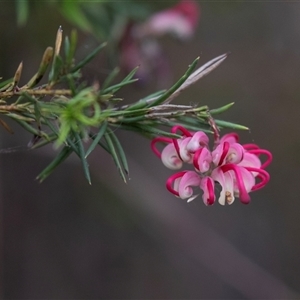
[102, 18]
[79, 118]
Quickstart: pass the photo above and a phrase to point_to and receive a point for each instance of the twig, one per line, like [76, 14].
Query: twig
[45, 92]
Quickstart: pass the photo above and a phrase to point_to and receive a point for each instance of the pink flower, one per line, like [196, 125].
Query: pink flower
[180, 20]
[139, 44]
[235, 167]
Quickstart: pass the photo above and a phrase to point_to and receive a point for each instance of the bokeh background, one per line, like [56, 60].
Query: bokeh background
[64, 239]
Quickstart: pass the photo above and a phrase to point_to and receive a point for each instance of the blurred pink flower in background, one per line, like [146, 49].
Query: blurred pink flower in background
[139, 45]
[180, 20]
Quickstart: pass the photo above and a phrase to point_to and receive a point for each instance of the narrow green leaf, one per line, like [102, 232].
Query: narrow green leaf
[120, 150]
[68, 139]
[114, 155]
[193, 121]
[29, 98]
[22, 7]
[56, 68]
[70, 47]
[73, 146]
[44, 142]
[89, 57]
[97, 138]
[67, 46]
[114, 88]
[127, 80]
[72, 11]
[37, 114]
[63, 155]
[71, 84]
[170, 91]
[82, 157]
[110, 77]
[148, 130]
[6, 84]
[132, 119]
[92, 136]
[226, 124]
[156, 94]
[20, 118]
[131, 74]
[221, 109]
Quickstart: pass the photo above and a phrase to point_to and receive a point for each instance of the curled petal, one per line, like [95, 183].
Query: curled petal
[202, 160]
[220, 153]
[250, 146]
[159, 140]
[199, 140]
[265, 152]
[226, 180]
[182, 129]
[250, 160]
[262, 174]
[235, 153]
[173, 181]
[170, 159]
[207, 185]
[185, 133]
[230, 138]
[190, 178]
[184, 154]
[180, 184]
[226, 152]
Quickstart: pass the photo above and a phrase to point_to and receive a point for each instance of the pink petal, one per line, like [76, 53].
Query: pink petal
[265, 152]
[185, 133]
[250, 160]
[202, 160]
[244, 181]
[207, 185]
[220, 153]
[173, 181]
[199, 140]
[190, 178]
[262, 174]
[228, 153]
[170, 159]
[250, 146]
[230, 138]
[226, 181]
[235, 153]
[158, 140]
[182, 129]
[184, 154]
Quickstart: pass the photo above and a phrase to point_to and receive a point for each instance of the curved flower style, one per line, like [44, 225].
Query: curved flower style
[235, 167]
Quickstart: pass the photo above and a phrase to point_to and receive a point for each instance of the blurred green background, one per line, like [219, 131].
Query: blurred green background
[64, 239]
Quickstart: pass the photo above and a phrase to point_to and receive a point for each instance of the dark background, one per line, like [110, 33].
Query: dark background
[64, 239]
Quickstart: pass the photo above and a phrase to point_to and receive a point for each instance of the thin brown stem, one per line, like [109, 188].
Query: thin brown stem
[41, 92]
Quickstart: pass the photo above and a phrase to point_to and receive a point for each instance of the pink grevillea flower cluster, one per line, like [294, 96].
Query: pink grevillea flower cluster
[235, 167]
